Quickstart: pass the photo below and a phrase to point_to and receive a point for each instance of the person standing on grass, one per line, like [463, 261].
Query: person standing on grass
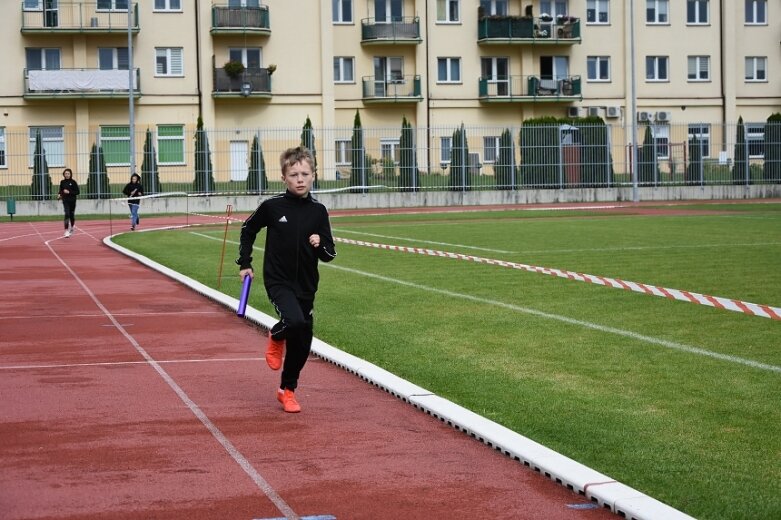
[69, 190]
[298, 234]
[133, 189]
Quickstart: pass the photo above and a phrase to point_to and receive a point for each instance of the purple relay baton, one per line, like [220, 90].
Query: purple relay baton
[244, 296]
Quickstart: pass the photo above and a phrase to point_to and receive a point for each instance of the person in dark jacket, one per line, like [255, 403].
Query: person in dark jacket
[298, 235]
[133, 189]
[69, 190]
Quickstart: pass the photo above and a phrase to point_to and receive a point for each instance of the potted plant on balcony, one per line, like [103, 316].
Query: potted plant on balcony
[233, 69]
[271, 68]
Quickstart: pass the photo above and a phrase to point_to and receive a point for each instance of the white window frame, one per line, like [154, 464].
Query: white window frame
[113, 5]
[53, 145]
[652, 69]
[115, 61]
[123, 138]
[491, 148]
[448, 11]
[661, 135]
[343, 150]
[598, 63]
[340, 14]
[445, 149]
[168, 54]
[3, 161]
[451, 64]
[344, 65]
[44, 51]
[555, 8]
[599, 10]
[660, 9]
[756, 12]
[243, 55]
[697, 68]
[702, 132]
[32, 5]
[755, 64]
[167, 6]
[701, 12]
[172, 138]
[755, 132]
[390, 147]
[495, 7]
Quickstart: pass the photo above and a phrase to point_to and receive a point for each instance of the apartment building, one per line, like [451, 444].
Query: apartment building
[70, 67]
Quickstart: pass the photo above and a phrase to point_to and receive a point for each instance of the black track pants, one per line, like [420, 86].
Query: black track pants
[295, 327]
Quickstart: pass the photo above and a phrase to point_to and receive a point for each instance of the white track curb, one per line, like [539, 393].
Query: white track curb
[601, 489]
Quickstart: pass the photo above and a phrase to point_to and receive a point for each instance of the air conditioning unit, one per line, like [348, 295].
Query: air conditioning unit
[662, 116]
[644, 116]
[593, 111]
[613, 111]
[573, 112]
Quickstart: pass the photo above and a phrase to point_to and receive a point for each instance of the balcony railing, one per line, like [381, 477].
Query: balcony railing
[250, 83]
[92, 83]
[78, 17]
[521, 29]
[226, 20]
[391, 90]
[530, 88]
[401, 31]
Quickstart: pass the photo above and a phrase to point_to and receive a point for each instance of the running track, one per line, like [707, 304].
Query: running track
[124, 394]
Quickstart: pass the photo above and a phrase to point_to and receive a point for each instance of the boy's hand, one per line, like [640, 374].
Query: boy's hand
[246, 272]
[315, 240]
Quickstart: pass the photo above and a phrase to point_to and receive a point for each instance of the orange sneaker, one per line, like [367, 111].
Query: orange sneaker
[288, 400]
[274, 353]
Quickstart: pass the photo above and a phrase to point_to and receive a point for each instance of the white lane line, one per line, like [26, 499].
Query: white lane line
[419, 241]
[127, 363]
[96, 315]
[557, 317]
[242, 461]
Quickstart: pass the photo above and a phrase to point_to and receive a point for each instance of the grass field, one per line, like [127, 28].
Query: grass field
[680, 401]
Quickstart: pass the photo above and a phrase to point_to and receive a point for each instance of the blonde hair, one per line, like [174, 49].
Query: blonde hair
[295, 155]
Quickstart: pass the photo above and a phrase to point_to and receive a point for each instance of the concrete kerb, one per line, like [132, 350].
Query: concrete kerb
[597, 487]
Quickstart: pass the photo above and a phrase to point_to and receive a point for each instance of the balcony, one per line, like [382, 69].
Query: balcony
[403, 89]
[522, 30]
[530, 89]
[79, 83]
[232, 20]
[252, 83]
[405, 31]
[78, 17]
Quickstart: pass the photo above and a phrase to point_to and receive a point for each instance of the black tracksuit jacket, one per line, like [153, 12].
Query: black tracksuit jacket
[289, 258]
[72, 186]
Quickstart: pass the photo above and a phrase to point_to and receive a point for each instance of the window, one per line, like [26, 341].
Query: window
[170, 144]
[249, 57]
[344, 69]
[32, 5]
[756, 68]
[112, 5]
[2, 148]
[388, 69]
[448, 70]
[494, 7]
[657, 11]
[702, 133]
[53, 141]
[168, 5]
[698, 68]
[342, 11]
[113, 58]
[597, 11]
[756, 12]
[343, 149]
[168, 61]
[448, 11]
[43, 59]
[755, 140]
[554, 7]
[696, 12]
[554, 67]
[115, 141]
[496, 71]
[656, 68]
[661, 135]
[490, 148]
[387, 11]
[598, 68]
[445, 147]
[389, 150]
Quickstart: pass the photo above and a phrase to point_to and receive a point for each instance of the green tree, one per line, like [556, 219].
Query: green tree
[97, 183]
[257, 182]
[771, 170]
[204, 178]
[409, 176]
[459, 161]
[359, 169]
[740, 172]
[504, 169]
[540, 152]
[646, 168]
[595, 157]
[308, 141]
[694, 173]
[42, 182]
[150, 178]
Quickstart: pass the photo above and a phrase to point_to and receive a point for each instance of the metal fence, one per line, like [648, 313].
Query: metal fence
[245, 160]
